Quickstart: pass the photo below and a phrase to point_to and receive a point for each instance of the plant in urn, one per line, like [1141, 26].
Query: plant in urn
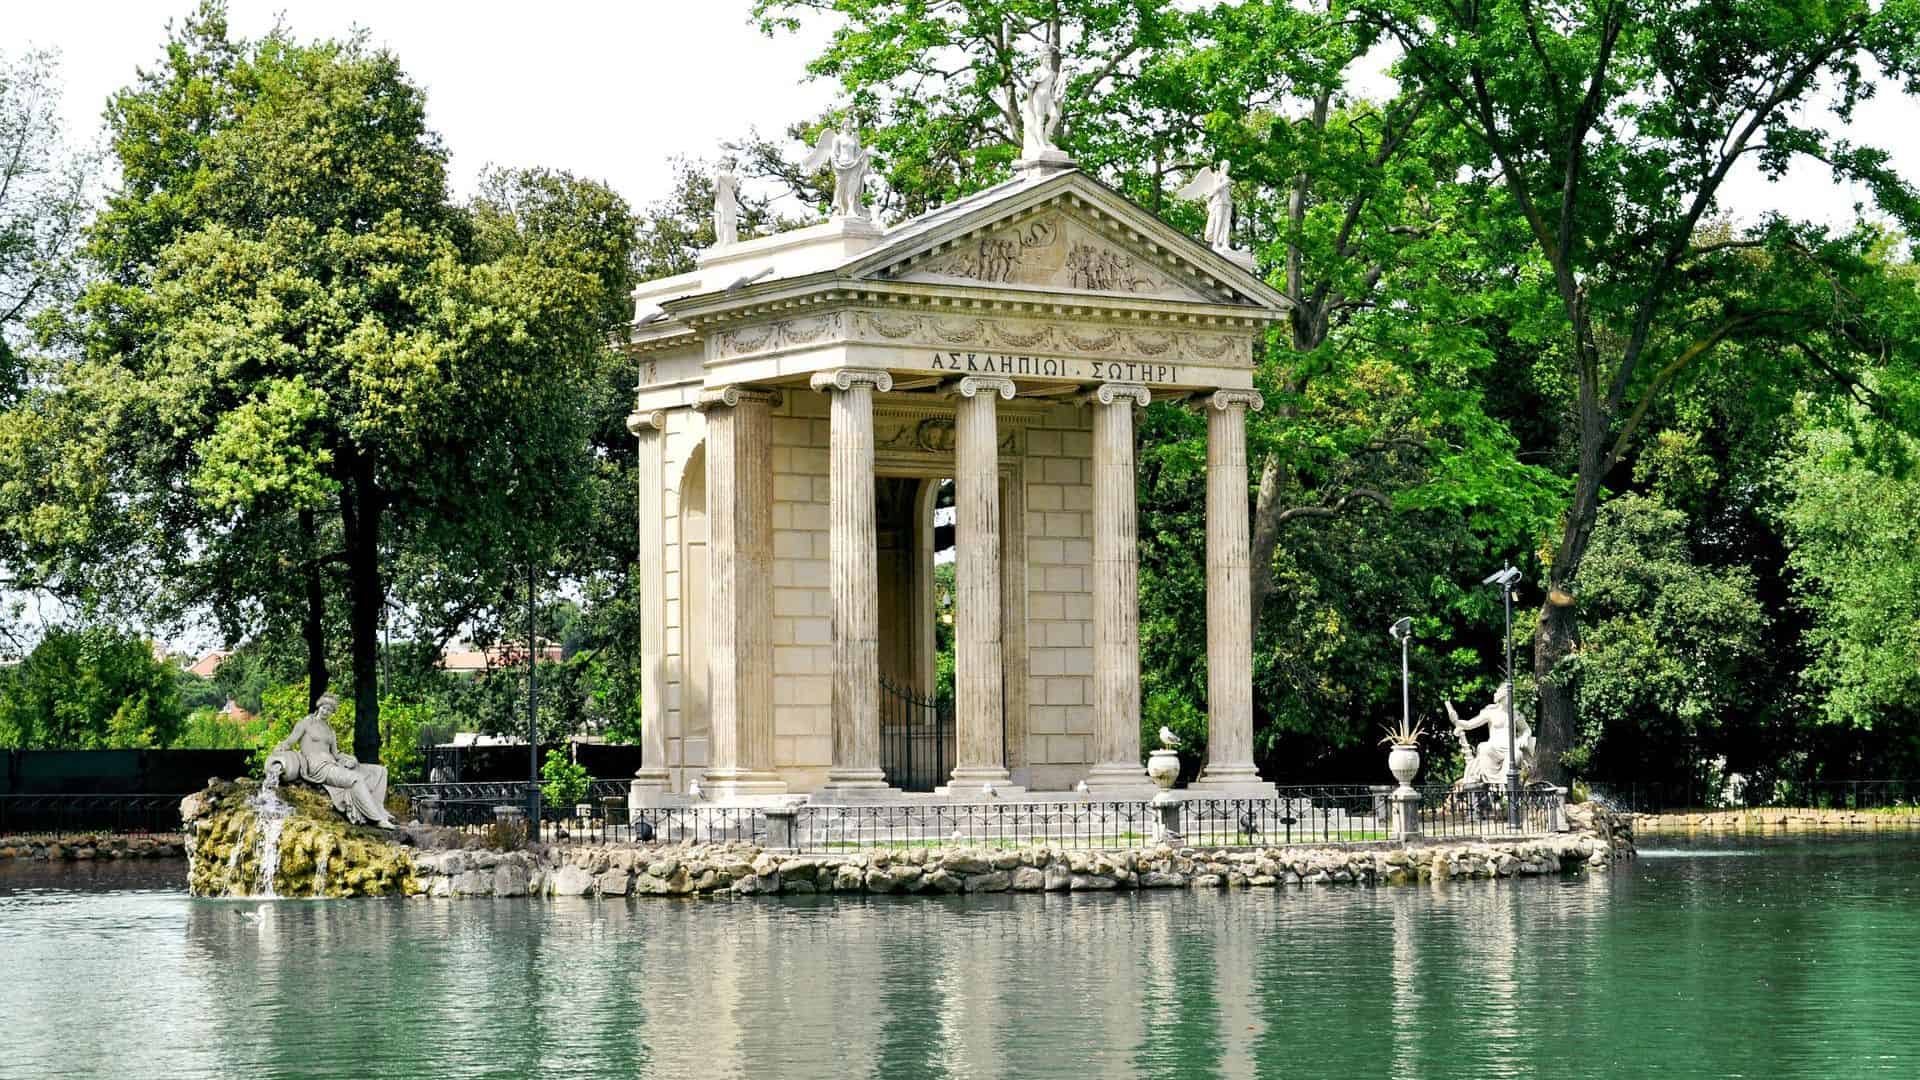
[1403, 760]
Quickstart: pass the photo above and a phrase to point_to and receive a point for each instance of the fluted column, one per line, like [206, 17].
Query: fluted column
[856, 584]
[1116, 593]
[740, 588]
[651, 780]
[1229, 622]
[979, 690]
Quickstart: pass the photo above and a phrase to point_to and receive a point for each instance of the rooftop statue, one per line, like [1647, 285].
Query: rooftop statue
[1487, 763]
[726, 207]
[1215, 188]
[311, 752]
[842, 150]
[1040, 116]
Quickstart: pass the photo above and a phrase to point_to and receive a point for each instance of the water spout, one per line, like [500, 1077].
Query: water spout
[272, 814]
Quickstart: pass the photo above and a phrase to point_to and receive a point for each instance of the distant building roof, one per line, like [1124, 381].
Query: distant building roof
[209, 663]
[463, 658]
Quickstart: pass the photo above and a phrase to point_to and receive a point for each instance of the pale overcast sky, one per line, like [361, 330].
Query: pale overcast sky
[605, 90]
[612, 90]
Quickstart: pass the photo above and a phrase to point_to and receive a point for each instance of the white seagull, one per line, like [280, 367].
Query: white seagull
[1168, 739]
[693, 788]
[1081, 787]
[987, 789]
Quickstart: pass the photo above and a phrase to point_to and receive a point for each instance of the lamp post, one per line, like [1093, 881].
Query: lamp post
[533, 712]
[1402, 632]
[1506, 579]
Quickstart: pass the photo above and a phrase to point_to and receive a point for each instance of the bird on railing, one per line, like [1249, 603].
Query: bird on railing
[1249, 827]
[1081, 787]
[987, 789]
[693, 789]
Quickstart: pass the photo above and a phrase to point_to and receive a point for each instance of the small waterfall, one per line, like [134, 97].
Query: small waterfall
[273, 816]
[320, 871]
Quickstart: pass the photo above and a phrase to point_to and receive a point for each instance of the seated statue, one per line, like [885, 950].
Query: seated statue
[1487, 762]
[311, 752]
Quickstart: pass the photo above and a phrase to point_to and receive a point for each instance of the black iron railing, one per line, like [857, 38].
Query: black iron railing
[1480, 810]
[1018, 824]
[916, 738]
[1296, 815]
[34, 815]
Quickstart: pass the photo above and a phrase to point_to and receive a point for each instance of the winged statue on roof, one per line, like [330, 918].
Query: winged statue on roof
[840, 149]
[1214, 186]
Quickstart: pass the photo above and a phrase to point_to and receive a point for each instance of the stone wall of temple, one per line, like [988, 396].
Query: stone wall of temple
[1059, 529]
[1048, 498]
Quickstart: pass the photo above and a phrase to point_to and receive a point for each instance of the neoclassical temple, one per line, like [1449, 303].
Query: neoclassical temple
[804, 398]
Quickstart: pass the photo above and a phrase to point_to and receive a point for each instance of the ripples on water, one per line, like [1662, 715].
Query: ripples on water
[1802, 960]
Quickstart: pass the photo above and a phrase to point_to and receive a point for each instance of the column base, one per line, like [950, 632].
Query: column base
[1120, 780]
[1240, 781]
[855, 786]
[649, 788]
[720, 787]
[971, 780]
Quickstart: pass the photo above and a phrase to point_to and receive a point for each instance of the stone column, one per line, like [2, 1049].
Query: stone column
[650, 782]
[979, 690]
[740, 590]
[856, 585]
[1116, 596]
[1229, 619]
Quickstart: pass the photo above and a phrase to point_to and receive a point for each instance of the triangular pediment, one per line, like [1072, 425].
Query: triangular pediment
[1056, 251]
[1066, 233]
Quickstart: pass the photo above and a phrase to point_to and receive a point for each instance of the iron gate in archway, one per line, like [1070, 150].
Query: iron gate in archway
[916, 738]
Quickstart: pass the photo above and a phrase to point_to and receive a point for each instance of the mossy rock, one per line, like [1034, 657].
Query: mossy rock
[320, 852]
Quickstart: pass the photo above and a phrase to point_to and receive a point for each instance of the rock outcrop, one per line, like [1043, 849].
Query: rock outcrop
[233, 849]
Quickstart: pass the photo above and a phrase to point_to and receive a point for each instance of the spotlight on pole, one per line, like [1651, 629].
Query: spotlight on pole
[1402, 632]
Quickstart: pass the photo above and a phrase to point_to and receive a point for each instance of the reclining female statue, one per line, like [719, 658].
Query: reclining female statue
[311, 752]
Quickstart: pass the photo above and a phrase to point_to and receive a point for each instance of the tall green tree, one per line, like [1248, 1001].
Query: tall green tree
[1854, 531]
[1610, 129]
[333, 370]
[90, 688]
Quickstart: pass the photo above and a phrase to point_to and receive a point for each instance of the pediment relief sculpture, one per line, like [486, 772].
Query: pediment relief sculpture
[1052, 251]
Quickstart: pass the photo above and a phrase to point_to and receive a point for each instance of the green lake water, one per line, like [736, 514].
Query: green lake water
[1744, 958]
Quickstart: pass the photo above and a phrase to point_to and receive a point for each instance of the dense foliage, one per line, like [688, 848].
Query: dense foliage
[307, 397]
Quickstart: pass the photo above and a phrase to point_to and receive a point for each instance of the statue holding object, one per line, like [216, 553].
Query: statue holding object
[1487, 762]
[842, 150]
[311, 752]
[1040, 118]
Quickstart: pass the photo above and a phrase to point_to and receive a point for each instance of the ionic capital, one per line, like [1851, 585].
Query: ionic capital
[1117, 393]
[729, 396]
[647, 423]
[974, 385]
[1245, 399]
[848, 378]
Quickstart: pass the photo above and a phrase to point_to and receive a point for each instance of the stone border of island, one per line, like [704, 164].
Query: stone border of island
[240, 843]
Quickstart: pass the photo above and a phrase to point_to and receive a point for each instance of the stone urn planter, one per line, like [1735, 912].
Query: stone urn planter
[1163, 765]
[1404, 762]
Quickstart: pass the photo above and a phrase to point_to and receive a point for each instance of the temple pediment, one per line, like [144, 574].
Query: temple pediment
[1066, 234]
[1057, 252]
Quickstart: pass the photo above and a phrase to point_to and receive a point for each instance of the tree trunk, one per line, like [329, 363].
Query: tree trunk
[1265, 540]
[360, 509]
[1557, 633]
[314, 626]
